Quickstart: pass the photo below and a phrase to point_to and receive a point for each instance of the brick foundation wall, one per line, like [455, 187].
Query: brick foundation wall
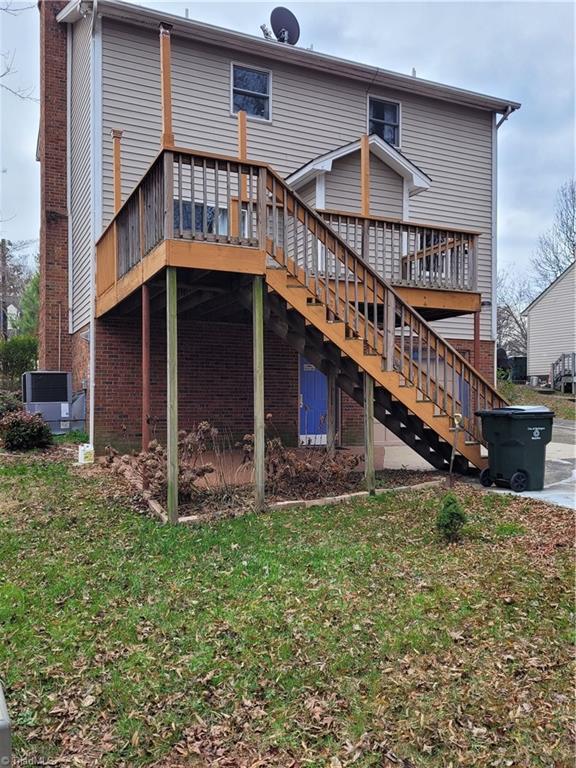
[214, 376]
[487, 350]
[54, 340]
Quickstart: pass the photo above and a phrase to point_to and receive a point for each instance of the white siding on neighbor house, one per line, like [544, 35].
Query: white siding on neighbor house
[552, 325]
[80, 174]
[312, 113]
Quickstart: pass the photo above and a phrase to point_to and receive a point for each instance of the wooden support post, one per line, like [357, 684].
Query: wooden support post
[258, 363]
[365, 174]
[145, 366]
[117, 169]
[166, 85]
[477, 340]
[369, 470]
[242, 155]
[331, 420]
[172, 390]
[242, 144]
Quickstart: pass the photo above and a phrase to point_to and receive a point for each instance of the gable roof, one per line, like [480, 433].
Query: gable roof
[560, 277]
[301, 57]
[417, 180]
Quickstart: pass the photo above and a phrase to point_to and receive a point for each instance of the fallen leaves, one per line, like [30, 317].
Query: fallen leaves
[341, 637]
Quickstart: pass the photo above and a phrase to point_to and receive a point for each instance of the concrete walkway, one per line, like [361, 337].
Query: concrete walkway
[559, 479]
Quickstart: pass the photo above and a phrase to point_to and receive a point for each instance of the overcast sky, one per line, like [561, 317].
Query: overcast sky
[516, 50]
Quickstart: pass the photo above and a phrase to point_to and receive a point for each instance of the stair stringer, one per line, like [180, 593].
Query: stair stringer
[304, 338]
[302, 300]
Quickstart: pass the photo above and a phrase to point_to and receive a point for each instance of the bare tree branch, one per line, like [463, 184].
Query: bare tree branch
[514, 292]
[13, 9]
[556, 248]
[7, 58]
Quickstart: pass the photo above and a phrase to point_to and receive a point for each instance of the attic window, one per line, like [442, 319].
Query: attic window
[251, 91]
[384, 120]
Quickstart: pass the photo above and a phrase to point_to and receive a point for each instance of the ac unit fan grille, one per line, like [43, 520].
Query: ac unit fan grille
[48, 388]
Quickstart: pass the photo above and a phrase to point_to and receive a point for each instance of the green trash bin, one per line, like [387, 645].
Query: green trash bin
[517, 436]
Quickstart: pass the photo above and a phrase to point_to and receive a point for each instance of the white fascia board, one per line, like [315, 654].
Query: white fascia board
[415, 179]
[71, 12]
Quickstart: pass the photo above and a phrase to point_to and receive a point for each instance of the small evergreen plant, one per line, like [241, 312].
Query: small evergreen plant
[451, 518]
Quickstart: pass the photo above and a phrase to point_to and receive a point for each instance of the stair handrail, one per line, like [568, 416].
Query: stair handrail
[377, 280]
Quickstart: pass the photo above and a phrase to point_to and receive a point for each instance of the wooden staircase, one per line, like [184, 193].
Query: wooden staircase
[323, 297]
[327, 303]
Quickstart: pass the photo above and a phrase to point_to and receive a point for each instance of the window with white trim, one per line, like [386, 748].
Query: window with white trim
[251, 91]
[384, 120]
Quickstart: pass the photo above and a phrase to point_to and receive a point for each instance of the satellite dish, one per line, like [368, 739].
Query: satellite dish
[285, 26]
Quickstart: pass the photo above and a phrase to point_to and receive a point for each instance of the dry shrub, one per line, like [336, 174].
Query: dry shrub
[304, 473]
[151, 466]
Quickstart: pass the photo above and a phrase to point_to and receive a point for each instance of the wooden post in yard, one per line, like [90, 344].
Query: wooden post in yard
[172, 390]
[166, 84]
[258, 363]
[145, 366]
[369, 471]
[331, 415]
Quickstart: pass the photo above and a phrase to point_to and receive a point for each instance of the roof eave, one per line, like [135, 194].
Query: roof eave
[214, 35]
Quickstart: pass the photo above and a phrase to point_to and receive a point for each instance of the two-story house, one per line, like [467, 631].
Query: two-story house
[234, 226]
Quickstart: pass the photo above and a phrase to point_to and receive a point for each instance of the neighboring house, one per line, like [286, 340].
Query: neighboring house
[552, 324]
[215, 158]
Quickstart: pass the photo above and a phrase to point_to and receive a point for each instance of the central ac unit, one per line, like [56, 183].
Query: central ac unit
[49, 393]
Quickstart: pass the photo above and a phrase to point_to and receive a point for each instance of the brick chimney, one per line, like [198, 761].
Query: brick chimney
[54, 339]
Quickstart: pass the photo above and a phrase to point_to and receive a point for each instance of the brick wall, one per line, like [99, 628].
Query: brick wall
[466, 349]
[214, 373]
[54, 340]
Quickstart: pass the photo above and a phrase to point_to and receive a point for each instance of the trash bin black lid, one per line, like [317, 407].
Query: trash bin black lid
[518, 410]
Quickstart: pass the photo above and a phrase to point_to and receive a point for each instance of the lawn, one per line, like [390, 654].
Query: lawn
[323, 637]
[564, 406]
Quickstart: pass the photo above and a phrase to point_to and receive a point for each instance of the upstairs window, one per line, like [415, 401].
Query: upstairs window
[384, 120]
[251, 91]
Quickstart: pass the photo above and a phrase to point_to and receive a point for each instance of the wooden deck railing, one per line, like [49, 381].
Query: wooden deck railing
[199, 197]
[354, 293]
[418, 255]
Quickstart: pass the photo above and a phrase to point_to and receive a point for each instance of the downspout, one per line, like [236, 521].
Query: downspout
[96, 189]
[494, 240]
[505, 116]
[69, 33]
[495, 125]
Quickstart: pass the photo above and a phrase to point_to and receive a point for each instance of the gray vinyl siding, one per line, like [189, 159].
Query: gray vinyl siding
[80, 149]
[343, 191]
[312, 113]
[308, 193]
[343, 184]
[552, 325]
[386, 188]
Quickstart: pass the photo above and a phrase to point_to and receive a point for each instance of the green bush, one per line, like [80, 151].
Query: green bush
[506, 387]
[451, 518]
[9, 402]
[17, 355]
[21, 431]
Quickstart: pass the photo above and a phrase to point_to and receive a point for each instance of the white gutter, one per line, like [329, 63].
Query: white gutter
[95, 191]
